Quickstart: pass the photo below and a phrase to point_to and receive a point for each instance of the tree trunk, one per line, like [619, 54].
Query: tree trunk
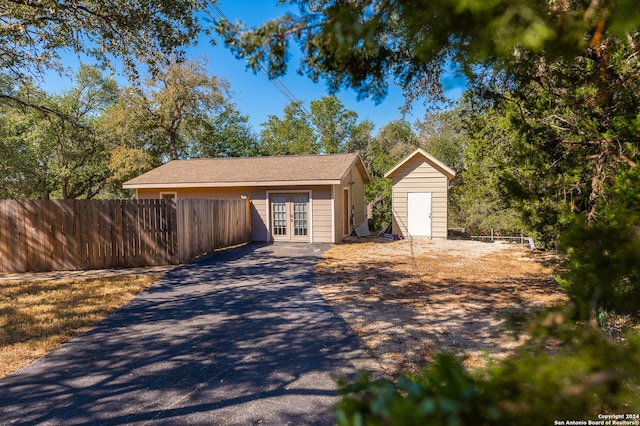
[173, 146]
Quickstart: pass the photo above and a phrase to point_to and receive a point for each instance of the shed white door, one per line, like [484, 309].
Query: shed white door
[419, 214]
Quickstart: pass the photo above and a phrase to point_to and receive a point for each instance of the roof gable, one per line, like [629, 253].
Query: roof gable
[251, 171]
[433, 161]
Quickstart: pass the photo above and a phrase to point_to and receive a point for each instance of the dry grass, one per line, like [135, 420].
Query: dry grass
[38, 316]
[410, 300]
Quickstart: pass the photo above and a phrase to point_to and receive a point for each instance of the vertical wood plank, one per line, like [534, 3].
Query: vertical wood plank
[105, 233]
[77, 235]
[93, 230]
[71, 247]
[5, 253]
[83, 234]
[30, 236]
[182, 234]
[132, 235]
[150, 232]
[129, 212]
[162, 235]
[157, 237]
[118, 235]
[171, 243]
[48, 224]
[57, 222]
[83, 238]
[20, 218]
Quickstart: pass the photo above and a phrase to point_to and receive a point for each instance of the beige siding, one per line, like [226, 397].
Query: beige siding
[322, 214]
[339, 212]
[320, 196]
[418, 176]
[354, 182]
[357, 198]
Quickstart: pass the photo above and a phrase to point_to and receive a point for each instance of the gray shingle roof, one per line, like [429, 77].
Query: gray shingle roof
[252, 171]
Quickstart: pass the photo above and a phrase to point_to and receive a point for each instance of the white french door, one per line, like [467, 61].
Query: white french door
[289, 217]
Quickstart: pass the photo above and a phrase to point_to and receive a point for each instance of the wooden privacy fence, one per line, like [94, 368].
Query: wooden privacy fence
[48, 235]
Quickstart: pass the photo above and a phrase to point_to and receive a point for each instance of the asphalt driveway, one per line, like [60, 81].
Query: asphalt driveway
[240, 337]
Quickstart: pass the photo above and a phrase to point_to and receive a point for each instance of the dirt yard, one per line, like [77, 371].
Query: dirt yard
[409, 300]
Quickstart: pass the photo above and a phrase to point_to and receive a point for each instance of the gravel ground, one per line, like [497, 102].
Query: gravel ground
[409, 300]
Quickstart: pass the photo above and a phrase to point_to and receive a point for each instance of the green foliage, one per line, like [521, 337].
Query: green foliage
[394, 141]
[444, 394]
[603, 262]
[291, 135]
[226, 134]
[548, 138]
[32, 34]
[77, 151]
[443, 135]
[170, 117]
[558, 81]
[335, 125]
[329, 128]
[592, 376]
[124, 164]
[362, 45]
[595, 376]
[569, 127]
[21, 176]
[86, 142]
[477, 199]
[62, 155]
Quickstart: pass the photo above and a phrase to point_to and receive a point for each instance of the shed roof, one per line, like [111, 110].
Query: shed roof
[251, 171]
[433, 161]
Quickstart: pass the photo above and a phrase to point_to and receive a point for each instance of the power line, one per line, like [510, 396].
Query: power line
[277, 83]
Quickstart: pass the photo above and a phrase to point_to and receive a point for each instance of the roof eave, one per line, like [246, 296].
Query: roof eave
[363, 167]
[446, 170]
[176, 185]
[365, 173]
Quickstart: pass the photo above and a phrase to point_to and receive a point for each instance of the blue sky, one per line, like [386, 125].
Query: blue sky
[257, 97]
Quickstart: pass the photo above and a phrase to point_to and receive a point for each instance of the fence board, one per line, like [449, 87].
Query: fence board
[49, 235]
[47, 243]
[33, 241]
[92, 232]
[19, 249]
[4, 234]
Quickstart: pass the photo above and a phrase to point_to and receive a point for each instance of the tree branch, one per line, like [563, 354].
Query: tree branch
[298, 30]
[44, 109]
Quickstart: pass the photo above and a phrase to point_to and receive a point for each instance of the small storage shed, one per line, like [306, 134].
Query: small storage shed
[306, 198]
[420, 196]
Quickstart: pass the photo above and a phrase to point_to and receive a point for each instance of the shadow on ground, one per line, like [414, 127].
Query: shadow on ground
[408, 307]
[240, 337]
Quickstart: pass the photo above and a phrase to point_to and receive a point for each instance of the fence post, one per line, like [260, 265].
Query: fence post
[491, 234]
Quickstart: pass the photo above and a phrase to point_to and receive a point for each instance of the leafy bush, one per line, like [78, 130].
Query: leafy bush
[444, 394]
[592, 376]
[603, 255]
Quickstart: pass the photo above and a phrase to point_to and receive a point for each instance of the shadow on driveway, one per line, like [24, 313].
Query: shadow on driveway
[240, 337]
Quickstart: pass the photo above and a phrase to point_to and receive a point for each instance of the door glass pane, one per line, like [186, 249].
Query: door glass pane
[300, 206]
[279, 214]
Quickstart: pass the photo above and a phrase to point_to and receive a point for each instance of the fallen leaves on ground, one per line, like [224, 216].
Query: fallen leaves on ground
[409, 300]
